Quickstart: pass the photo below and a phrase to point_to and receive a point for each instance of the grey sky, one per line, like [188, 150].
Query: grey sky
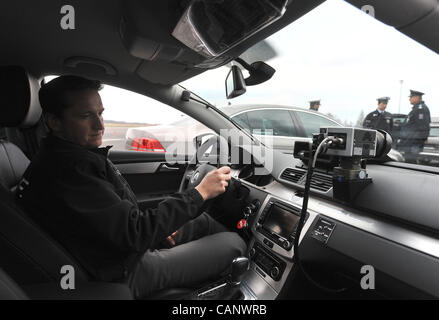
[335, 53]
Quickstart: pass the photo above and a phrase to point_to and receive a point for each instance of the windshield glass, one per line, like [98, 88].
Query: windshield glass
[346, 60]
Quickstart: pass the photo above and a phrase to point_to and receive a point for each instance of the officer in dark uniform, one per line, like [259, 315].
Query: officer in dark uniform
[314, 105]
[380, 119]
[416, 129]
[79, 197]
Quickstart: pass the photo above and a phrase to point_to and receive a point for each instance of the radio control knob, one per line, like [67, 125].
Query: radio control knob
[274, 272]
[286, 244]
[252, 252]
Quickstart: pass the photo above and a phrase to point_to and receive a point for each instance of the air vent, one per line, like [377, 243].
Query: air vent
[321, 182]
[292, 175]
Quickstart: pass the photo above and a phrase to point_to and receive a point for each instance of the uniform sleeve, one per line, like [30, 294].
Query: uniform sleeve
[95, 205]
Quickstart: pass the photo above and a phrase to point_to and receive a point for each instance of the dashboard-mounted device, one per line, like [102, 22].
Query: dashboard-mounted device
[351, 142]
[352, 146]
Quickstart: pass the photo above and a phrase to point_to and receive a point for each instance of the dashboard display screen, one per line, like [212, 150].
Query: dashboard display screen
[280, 221]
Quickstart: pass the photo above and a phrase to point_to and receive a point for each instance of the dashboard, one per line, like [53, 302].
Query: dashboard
[392, 227]
[339, 240]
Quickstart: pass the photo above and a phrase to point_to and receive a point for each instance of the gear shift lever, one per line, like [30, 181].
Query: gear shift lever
[239, 266]
[228, 289]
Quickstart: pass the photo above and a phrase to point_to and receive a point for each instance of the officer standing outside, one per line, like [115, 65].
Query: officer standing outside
[416, 129]
[380, 119]
[314, 105]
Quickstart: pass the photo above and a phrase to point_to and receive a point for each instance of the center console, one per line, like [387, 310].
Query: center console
[278, 223]
[271, 251]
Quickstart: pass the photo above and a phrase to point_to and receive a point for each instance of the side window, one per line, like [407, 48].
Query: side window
[136, 122]
[242, 120]
[312, 122]
[271, 121]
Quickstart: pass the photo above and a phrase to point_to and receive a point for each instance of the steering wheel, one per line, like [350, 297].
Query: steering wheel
[230, 202]
[195, 172]
[193, 175]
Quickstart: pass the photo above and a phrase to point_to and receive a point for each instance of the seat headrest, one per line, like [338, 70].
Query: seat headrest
[19, 104]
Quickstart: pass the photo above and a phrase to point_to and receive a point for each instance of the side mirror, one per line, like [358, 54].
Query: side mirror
[235, 83]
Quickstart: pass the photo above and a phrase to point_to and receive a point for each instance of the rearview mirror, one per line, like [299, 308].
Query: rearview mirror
[235, 83]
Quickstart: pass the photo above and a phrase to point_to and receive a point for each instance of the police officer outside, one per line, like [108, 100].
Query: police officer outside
[314, 105]
[380, 118]
[416, 129]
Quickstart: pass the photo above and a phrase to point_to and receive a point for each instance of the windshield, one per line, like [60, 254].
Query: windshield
[346, 60]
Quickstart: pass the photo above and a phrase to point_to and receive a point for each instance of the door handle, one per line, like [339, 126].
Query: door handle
[166, 168]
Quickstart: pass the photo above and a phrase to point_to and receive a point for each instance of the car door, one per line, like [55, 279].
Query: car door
[152, 176]
[273, 127]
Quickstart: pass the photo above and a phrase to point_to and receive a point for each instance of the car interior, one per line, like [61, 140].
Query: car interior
[389, 224]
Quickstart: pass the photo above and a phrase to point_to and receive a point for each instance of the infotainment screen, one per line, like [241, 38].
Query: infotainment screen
[280, 221]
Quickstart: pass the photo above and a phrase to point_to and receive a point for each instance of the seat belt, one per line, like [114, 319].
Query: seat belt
[32, 143]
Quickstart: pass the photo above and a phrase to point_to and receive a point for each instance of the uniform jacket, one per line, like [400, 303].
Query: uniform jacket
[417, 126]
[376, 120]
[79, 197]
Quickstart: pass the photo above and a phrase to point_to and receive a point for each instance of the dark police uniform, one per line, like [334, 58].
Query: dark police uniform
[415, 131]
[80, 198]
[379, 120]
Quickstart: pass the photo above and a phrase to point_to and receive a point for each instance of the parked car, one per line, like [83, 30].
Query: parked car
[276, 125]
[398, 121]
[431, 148]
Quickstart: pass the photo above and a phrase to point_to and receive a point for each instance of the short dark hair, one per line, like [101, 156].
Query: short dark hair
[54, 94]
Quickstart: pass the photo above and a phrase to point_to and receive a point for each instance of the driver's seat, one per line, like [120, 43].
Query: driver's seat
[27, 253]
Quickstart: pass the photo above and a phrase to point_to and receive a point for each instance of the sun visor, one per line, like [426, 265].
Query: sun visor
[396, 13]
[146, 29]
[413, 17]
[417, 30]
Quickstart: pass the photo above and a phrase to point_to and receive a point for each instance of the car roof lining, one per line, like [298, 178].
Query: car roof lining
[46, 49]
